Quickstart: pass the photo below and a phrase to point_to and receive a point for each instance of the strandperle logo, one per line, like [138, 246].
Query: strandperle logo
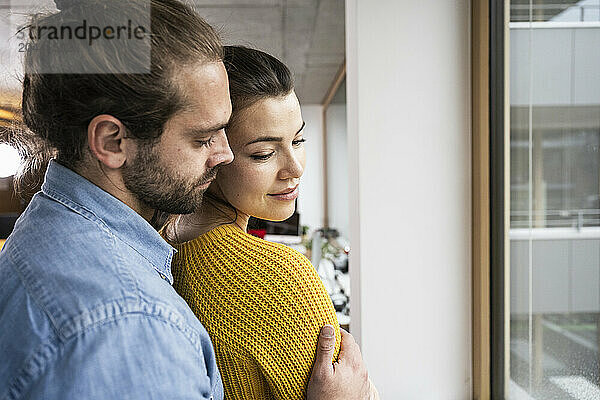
[82, 31]
[94, 37]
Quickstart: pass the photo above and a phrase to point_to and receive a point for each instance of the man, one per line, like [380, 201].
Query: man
[86, 306]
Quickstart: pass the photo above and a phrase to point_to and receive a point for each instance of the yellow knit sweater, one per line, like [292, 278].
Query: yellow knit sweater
[263, 306]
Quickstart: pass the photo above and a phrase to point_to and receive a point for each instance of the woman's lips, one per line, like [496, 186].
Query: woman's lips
[290, 195]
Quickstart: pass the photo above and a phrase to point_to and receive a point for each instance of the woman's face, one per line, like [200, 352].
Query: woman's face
[267, 143]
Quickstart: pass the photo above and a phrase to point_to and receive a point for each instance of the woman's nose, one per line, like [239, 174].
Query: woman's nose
[293, 168]
[221, 152]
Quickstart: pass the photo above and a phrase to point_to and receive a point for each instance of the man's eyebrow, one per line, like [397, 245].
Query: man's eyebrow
[273, 138]
[210, 129]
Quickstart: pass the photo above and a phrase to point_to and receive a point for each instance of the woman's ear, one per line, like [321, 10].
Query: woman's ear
[105, 140]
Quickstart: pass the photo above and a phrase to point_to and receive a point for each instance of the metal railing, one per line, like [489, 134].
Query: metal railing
[555, 218]
[547, 11]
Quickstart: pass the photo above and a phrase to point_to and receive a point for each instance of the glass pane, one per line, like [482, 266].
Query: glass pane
[555, 199]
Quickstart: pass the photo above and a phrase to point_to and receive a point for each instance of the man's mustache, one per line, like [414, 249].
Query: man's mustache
[210, 175]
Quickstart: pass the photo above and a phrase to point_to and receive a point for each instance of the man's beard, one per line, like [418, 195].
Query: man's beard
[157, 187]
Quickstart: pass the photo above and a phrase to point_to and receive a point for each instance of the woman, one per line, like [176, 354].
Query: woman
[262, 303]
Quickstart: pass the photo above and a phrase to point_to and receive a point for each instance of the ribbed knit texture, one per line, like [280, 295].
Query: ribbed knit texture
[263, 306]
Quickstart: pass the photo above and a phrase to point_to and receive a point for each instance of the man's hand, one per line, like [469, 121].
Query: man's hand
[346, 379]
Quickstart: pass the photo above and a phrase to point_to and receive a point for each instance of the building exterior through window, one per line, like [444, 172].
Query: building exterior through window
[554, 199]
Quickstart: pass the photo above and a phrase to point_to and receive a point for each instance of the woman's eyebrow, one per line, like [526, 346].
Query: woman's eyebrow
[265, 139]
[273, 138]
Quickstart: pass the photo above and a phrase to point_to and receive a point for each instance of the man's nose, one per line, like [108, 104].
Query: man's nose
[222, 153]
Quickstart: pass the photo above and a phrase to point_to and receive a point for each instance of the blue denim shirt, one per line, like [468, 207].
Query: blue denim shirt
[86, 306]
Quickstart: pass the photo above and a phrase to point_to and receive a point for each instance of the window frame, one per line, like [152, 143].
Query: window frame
[490, 198]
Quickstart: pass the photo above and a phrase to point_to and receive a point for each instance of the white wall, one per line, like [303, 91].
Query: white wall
[408, 88]
[337, 169]
[310, 199]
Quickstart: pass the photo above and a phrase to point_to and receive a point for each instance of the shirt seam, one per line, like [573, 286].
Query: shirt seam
[75, 207]
[44, 300]
[33, 367]
[90, 215]
[32, 289]
[31, 371]
[75, 324]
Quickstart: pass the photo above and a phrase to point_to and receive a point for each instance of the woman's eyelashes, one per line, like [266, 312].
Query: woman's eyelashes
[262, 157]
[266, 156]
[299, 141]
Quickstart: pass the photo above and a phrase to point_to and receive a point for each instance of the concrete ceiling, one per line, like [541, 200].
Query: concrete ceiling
[308, 35]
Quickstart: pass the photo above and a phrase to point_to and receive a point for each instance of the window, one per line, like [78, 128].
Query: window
[554, 183]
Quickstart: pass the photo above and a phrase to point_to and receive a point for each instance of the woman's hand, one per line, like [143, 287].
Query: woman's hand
[346, 379]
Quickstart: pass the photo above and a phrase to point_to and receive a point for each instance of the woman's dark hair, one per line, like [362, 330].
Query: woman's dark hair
[254, 75]
[58, 107]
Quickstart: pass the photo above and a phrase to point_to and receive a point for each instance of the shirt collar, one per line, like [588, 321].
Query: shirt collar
[85, 198]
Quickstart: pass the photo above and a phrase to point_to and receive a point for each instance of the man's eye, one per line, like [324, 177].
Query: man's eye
[262, 156]
[206, 143]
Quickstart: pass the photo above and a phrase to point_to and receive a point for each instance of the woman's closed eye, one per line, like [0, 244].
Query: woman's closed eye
[298, 142]
[265, 156]
[262, 157]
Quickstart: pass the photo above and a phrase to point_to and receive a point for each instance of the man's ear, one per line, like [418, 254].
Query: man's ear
[105, 139]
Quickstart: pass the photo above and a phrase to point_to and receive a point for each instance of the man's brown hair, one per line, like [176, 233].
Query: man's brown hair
[57, 107]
